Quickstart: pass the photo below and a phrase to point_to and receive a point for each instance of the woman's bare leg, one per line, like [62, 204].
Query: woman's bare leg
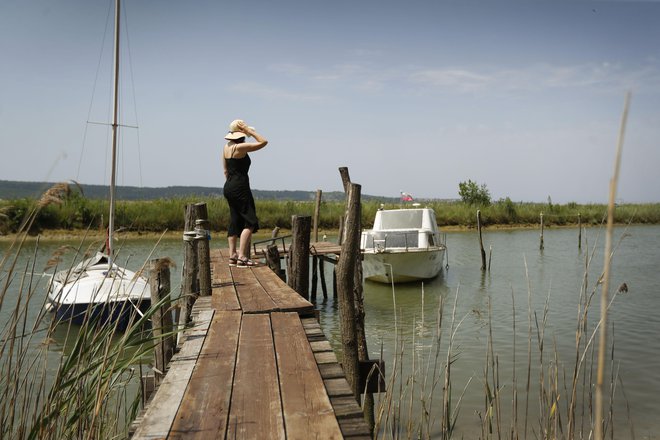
[246, 239]
[232, 240]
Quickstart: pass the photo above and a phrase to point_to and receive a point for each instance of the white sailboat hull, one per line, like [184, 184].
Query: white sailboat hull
[94, 290]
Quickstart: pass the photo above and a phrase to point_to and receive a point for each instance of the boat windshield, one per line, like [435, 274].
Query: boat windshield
[404, 219]
[387, 240]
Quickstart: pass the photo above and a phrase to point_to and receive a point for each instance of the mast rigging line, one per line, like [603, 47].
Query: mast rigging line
[102, 52]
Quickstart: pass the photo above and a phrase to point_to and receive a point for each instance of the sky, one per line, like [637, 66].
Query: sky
[526, 97]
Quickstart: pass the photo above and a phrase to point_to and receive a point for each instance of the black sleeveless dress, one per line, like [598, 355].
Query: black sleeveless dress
[237, 191]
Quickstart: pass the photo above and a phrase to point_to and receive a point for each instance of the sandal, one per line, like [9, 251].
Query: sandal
[247, 263]
[233, 261]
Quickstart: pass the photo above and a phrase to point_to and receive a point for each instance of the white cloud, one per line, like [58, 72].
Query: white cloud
[603, 76]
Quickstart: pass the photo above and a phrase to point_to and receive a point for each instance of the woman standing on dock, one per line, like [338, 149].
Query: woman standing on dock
[243, 215]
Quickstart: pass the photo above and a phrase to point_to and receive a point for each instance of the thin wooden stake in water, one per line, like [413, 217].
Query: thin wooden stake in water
[490, 256]
[541, 244]
[579, 231]
[481, 242]
[602, 343]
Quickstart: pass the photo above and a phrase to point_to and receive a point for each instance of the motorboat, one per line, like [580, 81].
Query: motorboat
[404, 245]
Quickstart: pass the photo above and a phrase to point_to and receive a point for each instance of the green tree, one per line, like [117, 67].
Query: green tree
[473, 194]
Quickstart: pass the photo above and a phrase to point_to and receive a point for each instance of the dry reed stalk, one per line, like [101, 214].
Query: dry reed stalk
[602, 345]
[514, 398]
[529, 346]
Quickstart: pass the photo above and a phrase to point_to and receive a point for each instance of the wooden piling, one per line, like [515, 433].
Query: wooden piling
[315, 234]
[350, 251]
[541, 243]
[162, 324]
[189, 290]
[203, 249]
[481, 241]
[345, 178]
[298, 266]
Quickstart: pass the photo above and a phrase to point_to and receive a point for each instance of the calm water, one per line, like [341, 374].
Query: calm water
[518, 269]
[554, 274]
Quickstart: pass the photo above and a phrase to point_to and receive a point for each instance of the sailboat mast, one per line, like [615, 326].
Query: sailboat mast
[115, 132]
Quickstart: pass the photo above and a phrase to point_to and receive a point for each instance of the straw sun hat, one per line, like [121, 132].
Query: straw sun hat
[233, 131]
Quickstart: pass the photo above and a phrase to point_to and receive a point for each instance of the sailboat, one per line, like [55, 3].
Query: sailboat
[97, 290]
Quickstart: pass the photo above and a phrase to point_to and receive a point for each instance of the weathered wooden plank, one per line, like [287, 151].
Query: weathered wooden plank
[319, 346]
[331, 371]
[307, 409]
[256, 408]
[251, 294]
[324, 247]
[209, 390]
[310, 323]
[355, 428]
[338, 387]
[222, 284]
[284, 298]
[162, 411]
[346, 407]
[325, 357]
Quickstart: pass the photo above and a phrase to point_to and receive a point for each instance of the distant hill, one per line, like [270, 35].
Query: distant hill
[17, 190]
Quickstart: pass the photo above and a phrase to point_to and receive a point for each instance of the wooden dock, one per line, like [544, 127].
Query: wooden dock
[255, 365]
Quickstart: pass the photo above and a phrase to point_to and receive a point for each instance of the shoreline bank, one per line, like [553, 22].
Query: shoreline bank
[79, 234]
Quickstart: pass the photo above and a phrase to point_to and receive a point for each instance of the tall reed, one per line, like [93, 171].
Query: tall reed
[554, 398]
[85, 391]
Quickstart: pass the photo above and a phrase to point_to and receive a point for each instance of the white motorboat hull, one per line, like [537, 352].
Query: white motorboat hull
[402, 266]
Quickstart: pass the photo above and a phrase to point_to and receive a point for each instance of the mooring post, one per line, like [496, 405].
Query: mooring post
[298, 266]
[189, 289]
[579, 231]
[315, 235]
[541, 244]
[162, 323]
[203, 236]
[350, 251]
[481, 241]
